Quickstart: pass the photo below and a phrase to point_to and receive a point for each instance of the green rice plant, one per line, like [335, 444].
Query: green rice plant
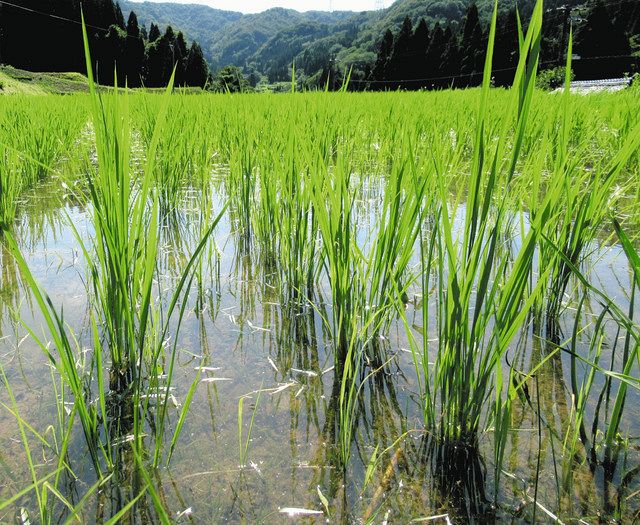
[582, 389]
[474, 332]
[395, 239]
[482, 296]
[297, 228]
[265, 212]
[182, 159]
[42, 132]
[10, 186]
[240, 182]
[34, 135]
[333, 202]
[63, 357]
[600, 443]
[123, 271]
[170, 171]
[353, 379]
[584, 197]
[631, 349]
[128, 330]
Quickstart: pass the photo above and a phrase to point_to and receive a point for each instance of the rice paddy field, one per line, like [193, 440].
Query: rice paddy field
[321, 307]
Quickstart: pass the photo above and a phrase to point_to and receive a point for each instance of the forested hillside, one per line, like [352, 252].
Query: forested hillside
[438, 56]
[229, 37]
[327, 45]
[413, 44]
[238, 42]
[49, 39]
[198, 22]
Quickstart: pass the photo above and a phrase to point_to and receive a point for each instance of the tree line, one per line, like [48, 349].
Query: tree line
[48, 38]
[426, 58]
[419, 55]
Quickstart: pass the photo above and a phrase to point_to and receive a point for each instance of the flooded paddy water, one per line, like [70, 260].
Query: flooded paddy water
[300, 377]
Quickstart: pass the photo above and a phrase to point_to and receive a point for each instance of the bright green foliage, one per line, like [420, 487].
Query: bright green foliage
[455, 224]
[127, 326]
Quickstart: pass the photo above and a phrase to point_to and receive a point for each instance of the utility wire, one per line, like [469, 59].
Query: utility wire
[478, 73]
[550, 16]
[560, 11]
[104, 29]
[64, 19]
[557, 13]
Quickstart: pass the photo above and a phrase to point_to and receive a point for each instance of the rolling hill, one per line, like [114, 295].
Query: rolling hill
[227, 37]
[268, 42]
[14, 80]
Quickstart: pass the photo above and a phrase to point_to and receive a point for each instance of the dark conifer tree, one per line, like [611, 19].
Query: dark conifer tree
[450, 61]
[104, 13]
[505, 51]
[119, 17]
[420, 45]
[181, 44]
[159, 63]
[434, 56]
[381, 68]
[400, 65]
[154, 32]
[598, 36]
[1, 36]
[134, 52]
[169, 35]
[111, 63]
[197, 71]
[604, 49]
[58, 46]
[133, 29]
[626, 19]
[168, 48]
[471, 55]
[180, 54]
[421, 34]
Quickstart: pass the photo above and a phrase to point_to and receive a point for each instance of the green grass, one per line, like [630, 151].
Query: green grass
[19, 81]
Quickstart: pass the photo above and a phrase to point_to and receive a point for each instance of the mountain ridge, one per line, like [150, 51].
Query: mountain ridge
[226, 37]
[267, 43]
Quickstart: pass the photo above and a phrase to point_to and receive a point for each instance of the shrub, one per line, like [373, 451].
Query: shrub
[549, 79]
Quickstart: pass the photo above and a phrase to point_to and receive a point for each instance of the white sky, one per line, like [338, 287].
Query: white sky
[255, 6]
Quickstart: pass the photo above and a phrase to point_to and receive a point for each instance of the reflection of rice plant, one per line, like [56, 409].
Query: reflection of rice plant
[601, 442]
[243, 445]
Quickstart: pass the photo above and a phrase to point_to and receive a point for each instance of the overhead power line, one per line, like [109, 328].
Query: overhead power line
[477, 73]
[62, 18]
[550, 16]
[559, 13]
